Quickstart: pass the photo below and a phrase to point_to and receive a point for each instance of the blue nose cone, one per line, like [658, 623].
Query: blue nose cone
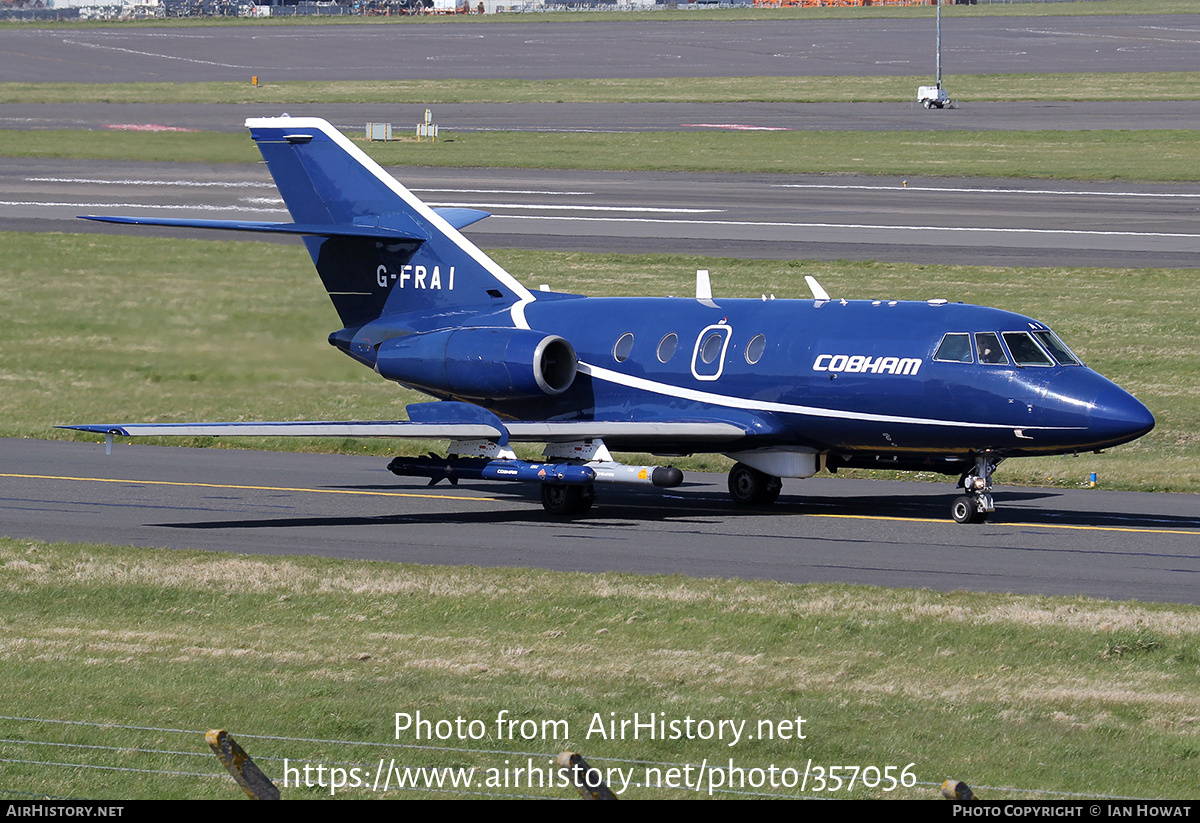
[1118, 417]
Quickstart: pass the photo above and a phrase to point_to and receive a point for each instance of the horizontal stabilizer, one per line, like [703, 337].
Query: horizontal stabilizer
[459, 217]
[375, 230]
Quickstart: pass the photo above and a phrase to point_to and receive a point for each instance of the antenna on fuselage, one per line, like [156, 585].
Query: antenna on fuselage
[704, 288]
[818, 292]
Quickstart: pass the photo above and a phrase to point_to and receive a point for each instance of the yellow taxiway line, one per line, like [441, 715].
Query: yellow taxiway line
[1076, 527]
[1073, 527]
[244, 488]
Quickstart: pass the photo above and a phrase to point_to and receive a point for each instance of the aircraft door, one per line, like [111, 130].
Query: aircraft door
[708, 356]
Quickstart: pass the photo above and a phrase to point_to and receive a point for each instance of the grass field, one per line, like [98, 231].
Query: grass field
[1169, 155]
[133, 329]
[1021, 697]
[968, 88]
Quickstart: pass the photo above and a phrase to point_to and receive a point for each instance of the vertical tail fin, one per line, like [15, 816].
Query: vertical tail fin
[383, 251]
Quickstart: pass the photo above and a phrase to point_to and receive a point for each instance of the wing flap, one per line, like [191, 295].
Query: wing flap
[570, 430]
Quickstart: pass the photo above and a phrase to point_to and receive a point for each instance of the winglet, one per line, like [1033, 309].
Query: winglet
[703, 285]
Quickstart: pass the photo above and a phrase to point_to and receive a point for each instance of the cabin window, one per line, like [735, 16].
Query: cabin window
[623, 347]
[1056, 347]
[666, 347]
[710, 349]
[954, 348]
[755, 349]
[1024, 350]
[987, 343]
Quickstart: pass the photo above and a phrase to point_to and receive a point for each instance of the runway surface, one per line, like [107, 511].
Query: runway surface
[992, 222]
[643, 48]
[1041, 541]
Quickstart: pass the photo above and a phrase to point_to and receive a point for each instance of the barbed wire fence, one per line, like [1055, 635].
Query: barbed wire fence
[92, 746]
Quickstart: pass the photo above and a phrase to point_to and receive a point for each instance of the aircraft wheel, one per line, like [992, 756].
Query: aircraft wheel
[965, 509]
[750, 487]
[567, 501]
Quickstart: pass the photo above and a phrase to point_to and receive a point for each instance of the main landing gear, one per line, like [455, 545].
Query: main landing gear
[976, 504]
[750, 487]
[567, 500]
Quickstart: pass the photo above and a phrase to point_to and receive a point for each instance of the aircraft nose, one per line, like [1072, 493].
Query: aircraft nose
[1118, 416]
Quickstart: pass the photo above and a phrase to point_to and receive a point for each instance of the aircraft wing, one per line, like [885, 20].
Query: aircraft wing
[519, 431]
[324, 428]
[451, 420]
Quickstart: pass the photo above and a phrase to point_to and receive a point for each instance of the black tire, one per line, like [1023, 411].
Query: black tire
[965, 509]
[750, 487]
[567, 501]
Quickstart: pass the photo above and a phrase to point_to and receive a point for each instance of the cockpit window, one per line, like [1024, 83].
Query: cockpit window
[1024, 351]
[1056, 347]
[990, 352]
[954, 348]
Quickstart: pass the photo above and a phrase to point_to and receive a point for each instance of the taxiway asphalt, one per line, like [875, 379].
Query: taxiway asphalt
[532, 49]
[1118, 545]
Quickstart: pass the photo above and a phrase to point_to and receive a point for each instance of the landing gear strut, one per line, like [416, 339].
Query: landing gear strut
[976, 504]
[750, 487]
[567, 500]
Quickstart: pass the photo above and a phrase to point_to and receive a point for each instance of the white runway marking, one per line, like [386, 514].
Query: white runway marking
[500, 191]
[859, 226]
[958, 190]
[556, 207]
[135, 182]
[179, 207]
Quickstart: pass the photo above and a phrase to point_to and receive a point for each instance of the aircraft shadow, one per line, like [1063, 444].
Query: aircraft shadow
[1009, 510]
[617, 507]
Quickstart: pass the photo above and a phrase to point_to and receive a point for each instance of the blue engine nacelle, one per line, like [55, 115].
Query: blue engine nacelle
[480, 363]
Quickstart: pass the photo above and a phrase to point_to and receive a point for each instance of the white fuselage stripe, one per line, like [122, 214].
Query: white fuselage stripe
[668, 390]
[452, 234]
[302, 123]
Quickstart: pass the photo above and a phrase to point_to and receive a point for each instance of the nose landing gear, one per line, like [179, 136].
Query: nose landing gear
[976, 504]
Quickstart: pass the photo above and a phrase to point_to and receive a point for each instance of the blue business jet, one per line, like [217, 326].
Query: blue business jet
[785, 388]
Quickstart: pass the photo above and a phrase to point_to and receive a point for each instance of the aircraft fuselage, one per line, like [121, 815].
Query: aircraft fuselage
[851, 377]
